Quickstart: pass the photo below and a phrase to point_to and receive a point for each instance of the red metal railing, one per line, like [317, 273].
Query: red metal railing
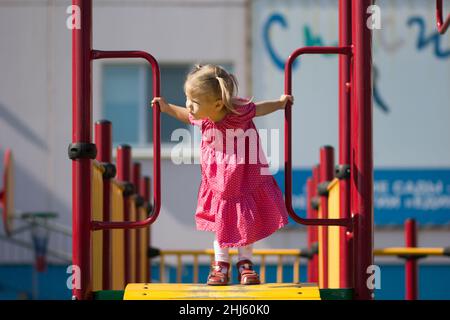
[101, 225]
[442, 26]
[288, 136]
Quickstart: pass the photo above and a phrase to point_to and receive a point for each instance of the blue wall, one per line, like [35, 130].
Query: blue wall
[16, 281]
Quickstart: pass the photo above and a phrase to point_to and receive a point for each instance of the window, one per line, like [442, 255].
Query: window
[127, 93]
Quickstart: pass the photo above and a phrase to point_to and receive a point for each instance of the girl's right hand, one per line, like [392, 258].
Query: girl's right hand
[163, 105]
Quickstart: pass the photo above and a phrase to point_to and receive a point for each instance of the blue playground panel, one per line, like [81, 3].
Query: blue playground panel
[399, 194]
[16, 280]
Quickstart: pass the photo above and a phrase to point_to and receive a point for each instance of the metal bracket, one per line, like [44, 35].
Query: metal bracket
[322, 189]
[82, 150]
[315, 203]
[342, 171]
[110, 170]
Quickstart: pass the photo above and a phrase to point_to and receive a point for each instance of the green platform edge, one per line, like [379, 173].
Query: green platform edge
[325, 294]
[108, 295]
[337, 294]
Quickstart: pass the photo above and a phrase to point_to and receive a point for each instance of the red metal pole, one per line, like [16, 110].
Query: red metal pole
[103, 140]
[411, 272]
[345, 36]
[136, 179]
[145, 191]
[362, 148]
[124, 175]
[81, 168]
[325, 177]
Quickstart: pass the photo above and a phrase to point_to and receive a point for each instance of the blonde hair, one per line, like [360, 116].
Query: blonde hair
[214, 81]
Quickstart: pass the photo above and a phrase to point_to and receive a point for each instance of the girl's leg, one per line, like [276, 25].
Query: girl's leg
[220, 254]
[246, 274]
[218, 275]
[245, 253]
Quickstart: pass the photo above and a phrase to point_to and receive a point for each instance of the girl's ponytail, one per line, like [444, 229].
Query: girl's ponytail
[228, 87]
[214, 80]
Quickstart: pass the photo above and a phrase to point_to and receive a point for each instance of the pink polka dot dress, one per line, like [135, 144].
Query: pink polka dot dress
[238, 198]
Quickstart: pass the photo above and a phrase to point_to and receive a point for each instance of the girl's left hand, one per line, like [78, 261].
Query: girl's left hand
[284, 99]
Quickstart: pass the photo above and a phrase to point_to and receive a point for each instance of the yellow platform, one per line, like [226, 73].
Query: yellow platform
[183, 291]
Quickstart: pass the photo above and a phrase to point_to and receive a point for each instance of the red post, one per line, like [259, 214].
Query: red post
[325, 176]
[362, 147]
[145, 191]
[411, 272]
[103, 141]
[82, 167]
[345, 39]
[124, 175]
[136, 179]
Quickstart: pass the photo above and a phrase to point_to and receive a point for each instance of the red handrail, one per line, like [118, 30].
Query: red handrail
[102, 225]
[346, 50]
[441, 26]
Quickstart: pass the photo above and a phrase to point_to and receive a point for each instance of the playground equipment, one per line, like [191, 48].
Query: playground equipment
[119, 256]
[332, 240]
[36, 222]
[7, 194]
[355, 138]
[442, 26]
[344, 220]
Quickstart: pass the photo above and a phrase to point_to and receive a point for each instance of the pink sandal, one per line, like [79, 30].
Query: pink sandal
[216, 276]
[247, 276]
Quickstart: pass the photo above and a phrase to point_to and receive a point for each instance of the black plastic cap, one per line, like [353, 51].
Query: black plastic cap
[342, 171]
[123, 146]
[81, 150]
[315, 203]
[102, 121]
[139, 201]
[322, 188]
[110, 170]
[153, 252]
[128, 189]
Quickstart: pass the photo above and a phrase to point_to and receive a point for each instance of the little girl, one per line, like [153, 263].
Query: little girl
[238, 199]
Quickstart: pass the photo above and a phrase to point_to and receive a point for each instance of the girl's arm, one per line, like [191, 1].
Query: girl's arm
[180, 113]
[266, 107]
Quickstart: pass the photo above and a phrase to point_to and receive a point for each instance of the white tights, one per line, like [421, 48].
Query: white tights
[221, 254]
